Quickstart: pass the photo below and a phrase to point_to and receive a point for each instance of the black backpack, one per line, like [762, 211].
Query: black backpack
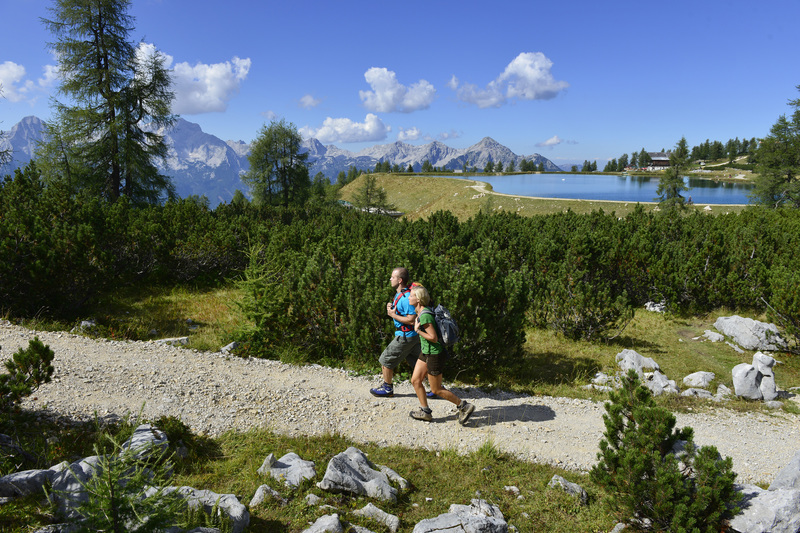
[445, 325]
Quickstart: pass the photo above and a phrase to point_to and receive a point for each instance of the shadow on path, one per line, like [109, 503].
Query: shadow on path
[495, 414]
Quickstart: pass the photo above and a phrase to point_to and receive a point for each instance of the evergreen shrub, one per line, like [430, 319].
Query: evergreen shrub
[27, 369]
[649, 485]
[128, 492]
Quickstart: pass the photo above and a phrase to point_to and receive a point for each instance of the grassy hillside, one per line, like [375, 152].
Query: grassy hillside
[419, 196]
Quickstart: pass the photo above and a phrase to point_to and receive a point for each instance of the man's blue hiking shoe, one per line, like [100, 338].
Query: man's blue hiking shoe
[433, 396]
[384, 391]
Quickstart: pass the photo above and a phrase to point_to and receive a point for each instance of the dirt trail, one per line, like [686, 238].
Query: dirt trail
[214, 393]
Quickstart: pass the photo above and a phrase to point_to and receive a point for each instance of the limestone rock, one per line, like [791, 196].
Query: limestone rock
[630, 359]
[789, 476]
[699, 379]
[767, 511]
[227, 504]
[747, 382]
[351, 472]
[326, 524]
[479, 516]
[659, 384]
[290, 469]
[371, 511]
[750, 334]
[573, 489]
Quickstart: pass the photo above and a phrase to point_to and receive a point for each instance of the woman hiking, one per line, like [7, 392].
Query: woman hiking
[431, 361]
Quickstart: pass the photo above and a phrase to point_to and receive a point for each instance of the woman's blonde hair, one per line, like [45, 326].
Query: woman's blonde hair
[421, 293]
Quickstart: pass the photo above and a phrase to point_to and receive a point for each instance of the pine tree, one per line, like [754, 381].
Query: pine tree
[27, 370]
[649, 485]
[5, 154]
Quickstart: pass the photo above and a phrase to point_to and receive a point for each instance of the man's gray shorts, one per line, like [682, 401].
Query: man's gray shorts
[400, 348]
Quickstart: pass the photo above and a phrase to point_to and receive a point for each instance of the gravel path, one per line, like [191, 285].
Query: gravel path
[213, 393]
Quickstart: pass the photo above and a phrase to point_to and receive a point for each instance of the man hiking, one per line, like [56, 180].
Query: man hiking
[405, 344]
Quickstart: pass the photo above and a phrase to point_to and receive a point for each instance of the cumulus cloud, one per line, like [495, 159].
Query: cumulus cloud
[309, 102]
[17, 87]
[410, 134]
[344, 130]
[206, 88]
[389, 95]
[447, 135]
[549, 143]
[527, 77]
[555, 140]
[269, 115]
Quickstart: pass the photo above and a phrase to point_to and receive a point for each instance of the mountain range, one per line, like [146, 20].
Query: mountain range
[201, 164]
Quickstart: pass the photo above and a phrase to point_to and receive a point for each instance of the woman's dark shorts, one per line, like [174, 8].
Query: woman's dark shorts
[435, 362]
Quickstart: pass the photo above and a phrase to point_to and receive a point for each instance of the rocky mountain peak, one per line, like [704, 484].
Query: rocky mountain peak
[202, 164]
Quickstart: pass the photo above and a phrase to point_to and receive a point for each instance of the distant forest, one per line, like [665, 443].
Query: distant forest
[707, 151]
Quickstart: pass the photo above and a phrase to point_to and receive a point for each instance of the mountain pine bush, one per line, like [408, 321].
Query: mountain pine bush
[27, 370]
[649, 485]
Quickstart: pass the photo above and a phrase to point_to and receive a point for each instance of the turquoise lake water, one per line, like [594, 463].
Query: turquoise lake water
[619, 188]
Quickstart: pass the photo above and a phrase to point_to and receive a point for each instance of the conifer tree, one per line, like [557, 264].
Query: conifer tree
[371, 196]
[129, 492]
[27, 370]
[649, 485]
[5, 153]
[278, 173]
[778, 162]
[671, 184]
[119, 100]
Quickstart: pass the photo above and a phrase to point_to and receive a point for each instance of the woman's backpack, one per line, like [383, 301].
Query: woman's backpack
[445, 325]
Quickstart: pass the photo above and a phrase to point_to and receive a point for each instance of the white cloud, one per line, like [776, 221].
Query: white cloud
[452, 134]
[206, 88]
[410, 134]
[344, 130]
[549, 143]
[18, 88]
[51, 73]
[309, 102]
[388, 95]
[12, 78]
[491, 96]
[269, 115]
[527, 77]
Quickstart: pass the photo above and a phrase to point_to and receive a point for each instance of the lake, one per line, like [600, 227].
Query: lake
[621, 188]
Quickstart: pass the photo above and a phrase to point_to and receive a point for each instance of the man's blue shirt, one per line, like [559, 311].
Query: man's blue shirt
[404, 308]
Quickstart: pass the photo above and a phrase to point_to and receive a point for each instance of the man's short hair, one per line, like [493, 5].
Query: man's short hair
[402, 273]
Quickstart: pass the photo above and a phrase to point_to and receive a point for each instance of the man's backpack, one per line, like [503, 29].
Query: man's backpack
[445, 325]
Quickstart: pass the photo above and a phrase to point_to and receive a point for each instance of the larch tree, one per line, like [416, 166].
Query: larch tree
[671, 184]
[5, 152]
[778, 163]
[118, 104]
[278, 173]
[371, 196]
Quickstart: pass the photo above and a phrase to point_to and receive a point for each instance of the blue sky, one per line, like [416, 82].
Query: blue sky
[571, 80]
